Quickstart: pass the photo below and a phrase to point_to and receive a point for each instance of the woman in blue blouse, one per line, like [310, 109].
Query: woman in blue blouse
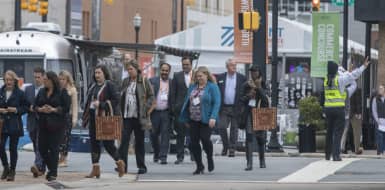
[200, 112]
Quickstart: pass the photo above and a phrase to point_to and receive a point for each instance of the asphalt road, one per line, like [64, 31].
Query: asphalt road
[281, 173]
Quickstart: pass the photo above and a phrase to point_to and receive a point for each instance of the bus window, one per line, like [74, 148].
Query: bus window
[59, 65]
[22, 67]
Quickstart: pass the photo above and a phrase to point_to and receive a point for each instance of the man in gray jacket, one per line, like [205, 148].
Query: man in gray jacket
[38, 169]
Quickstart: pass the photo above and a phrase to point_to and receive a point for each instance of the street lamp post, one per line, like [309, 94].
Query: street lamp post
[137, 23]
[274, 145]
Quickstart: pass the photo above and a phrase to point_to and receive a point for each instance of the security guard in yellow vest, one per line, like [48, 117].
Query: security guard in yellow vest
[334, 106]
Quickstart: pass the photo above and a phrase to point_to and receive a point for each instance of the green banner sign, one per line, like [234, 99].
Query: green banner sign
[342, 2]
[325, 45]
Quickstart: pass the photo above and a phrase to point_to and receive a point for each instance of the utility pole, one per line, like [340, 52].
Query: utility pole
[260, 37]
[95, 25]
[274, 145]
[44, 18]
[17, 22]
[174, 15]
[182, 15]
[366, 90]
[345, 35]
[68, 17]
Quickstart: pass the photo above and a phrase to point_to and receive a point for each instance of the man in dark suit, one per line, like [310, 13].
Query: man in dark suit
[160, 116]
[230, 84]
[180, 83]
[31, 91]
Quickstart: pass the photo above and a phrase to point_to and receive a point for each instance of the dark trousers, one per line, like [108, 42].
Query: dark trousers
[335, 119]
[34, 135]
[13, 141]
[182, 134]
[49, 148]
[226, 117]
[95, 144]
[132, 124]
[160, 128]
[200, 132]
[65, 144]
[380, 142]
[260, 137]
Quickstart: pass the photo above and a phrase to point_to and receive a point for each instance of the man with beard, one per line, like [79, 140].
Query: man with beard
[160, 117]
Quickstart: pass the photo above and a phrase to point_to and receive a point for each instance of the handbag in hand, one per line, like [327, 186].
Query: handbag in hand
[264, 118]
[108, 126]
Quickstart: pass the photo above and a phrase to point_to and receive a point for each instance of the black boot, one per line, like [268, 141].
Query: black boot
[210, 163]
[224, 150]
[249, 157]
[327, 156]
[336, 158]
[5, 173]
[11, 175]
[261, 154]
[200, 169]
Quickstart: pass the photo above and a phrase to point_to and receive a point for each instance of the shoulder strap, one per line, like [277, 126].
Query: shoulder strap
[144, 85]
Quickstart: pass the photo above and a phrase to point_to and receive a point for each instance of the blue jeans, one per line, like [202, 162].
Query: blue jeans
[380, 142]
[160, 128]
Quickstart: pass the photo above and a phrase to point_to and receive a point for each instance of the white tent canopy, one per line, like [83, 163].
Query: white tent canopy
[215, 41]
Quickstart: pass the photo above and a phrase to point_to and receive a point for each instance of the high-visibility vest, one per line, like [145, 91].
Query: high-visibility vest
[333, 96]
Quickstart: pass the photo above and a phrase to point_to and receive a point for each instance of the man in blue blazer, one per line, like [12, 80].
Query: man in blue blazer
[230, 84]
[31, 92]
[160, 116]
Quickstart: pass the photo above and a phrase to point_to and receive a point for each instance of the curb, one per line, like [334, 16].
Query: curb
[307, 155]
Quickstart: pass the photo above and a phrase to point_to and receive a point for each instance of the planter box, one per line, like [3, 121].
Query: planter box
[320, 140]
[306, 138]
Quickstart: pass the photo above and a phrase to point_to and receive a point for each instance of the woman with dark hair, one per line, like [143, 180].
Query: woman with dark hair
[378, 112]
[99, 95]
[13, 105]
[51, 105]
[200, 113]
[136, 102]
[253, 95]
[334, 106]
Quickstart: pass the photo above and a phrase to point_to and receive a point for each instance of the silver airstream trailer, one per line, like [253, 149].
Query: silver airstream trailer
[22, 51]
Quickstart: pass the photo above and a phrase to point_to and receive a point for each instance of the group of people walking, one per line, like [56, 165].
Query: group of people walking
[194, 101]
[50, 103]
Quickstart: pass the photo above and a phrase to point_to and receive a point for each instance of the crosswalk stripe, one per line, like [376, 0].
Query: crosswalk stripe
[316, 171]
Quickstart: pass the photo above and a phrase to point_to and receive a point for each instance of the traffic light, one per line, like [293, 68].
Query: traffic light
[43, 10]
[249, 20]
[316, 5]
[109, 2]
[32, 7]
[190, 2]
[24, 4]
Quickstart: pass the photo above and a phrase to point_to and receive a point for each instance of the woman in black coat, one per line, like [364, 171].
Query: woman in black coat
[252, 96]
[100, 92]
[13, 105]
[51, 105]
